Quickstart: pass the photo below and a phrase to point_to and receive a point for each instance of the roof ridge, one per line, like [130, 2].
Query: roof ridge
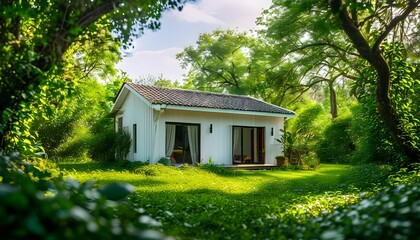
[202, 91]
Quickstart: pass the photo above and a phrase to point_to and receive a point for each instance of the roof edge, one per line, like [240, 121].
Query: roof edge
[220, 110]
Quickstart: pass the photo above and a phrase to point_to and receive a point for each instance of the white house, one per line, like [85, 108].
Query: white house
[193, 126]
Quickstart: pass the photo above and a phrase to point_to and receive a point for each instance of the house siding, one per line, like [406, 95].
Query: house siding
[136, 111]
[218, 145]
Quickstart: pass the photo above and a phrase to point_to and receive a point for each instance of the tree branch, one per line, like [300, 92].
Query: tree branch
[350, 29]
[321, 44]
[95, 12]
[411, 6]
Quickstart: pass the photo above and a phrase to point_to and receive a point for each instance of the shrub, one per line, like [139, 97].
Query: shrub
[303, 132]
[311, 160]
[336, 146]
[34, 204]
[392, 214]
[77, 148]
[165, 161]
[109, 146]
[372, 140]
[122, 144]
[102, 146]
[216, 168]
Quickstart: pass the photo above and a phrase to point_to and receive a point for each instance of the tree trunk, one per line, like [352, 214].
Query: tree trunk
[333, 101]
[373, 55]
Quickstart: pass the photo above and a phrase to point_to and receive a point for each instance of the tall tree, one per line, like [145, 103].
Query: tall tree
[89, 64]
[315, 51]
[317, 33]
[218, 61]
[36, 35]
[239, 63]
[385, 18]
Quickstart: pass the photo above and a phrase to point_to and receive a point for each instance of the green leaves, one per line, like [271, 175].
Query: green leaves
[116, 191]
[43, 41]
[35, 205]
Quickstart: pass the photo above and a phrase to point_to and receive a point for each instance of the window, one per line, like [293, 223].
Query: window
[183, 142]
[248, 145]
[120, 124]
[135, 138]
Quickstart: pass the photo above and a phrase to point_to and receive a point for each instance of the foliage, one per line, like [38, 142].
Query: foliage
[313, 55]
[37, 204]
[391, 214]
[312, 39]
[407, 175]
[36, 36]
[303, 132]
[216, 168]
[311, 160]
[165, 161]
[237, 63]
[122, 144]
[159, 81]
[370, 43]
[373, 140]
[81, 126]
[103, 146]
[218, 62]
[336, 146]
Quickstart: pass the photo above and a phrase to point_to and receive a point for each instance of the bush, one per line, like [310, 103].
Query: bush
[304, 132]
[77, 148]
[35, 204]
[102, 146]
[216, 168]
[122, 144]
[311, 160]
[392, 214]
[336, 146]
[165, 161]
[109, 146]
[372, 140]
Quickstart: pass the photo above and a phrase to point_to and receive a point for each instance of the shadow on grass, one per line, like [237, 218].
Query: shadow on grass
[100, 166]
[82, 167]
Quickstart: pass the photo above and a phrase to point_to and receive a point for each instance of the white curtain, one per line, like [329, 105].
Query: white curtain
[193, 141]
[237, 141]
[170, 139]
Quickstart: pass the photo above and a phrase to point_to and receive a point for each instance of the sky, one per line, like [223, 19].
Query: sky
[154, 52]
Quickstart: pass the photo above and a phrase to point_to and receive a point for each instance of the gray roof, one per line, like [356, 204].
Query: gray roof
[192, 98]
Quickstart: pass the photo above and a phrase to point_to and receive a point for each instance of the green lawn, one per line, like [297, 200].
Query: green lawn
[200, 203]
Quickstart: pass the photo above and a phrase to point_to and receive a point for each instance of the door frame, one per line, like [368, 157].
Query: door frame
[185, 124]
[257, 143]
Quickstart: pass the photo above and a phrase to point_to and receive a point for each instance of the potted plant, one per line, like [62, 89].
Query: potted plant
[281, 160]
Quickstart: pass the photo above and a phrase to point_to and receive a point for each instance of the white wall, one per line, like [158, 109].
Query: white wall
[136, 111]
[218, 145]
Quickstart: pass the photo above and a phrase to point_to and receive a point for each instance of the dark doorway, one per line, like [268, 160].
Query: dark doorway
[183, 142]
[248, 145]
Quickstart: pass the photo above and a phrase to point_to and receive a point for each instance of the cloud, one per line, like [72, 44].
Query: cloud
[154, 53]
[223, 13]
[195, 14]
[156, 63]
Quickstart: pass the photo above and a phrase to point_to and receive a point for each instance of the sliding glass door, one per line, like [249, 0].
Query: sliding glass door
[183, 142]
[248, 145]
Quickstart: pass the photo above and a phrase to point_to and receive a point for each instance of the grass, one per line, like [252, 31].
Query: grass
[201, 203]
